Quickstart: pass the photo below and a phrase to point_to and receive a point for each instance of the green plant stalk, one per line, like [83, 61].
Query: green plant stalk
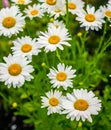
[67, 15]
[46, 59]
[54, 56]
[74, 48]
[79, 48]
[99, 52]
[58, 56]
[3, 96]
[106, 45]
[102, 39]
[83, 40]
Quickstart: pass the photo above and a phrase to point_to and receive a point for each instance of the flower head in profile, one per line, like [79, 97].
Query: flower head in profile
[34, 11]
[11, 21]
[52, 101]
[62, 76]
[81, 104]
[90, 19]
[75, 5]
[54, 38]
[25, 46]
[21, 2]
[15, 71]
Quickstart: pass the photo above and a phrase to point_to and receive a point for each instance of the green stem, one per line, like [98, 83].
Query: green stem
[46, 59]
[106, 45]
[78, 47]
[58, 56]
[67, 15]
[54, 56]
[3, 96]
[102, 39]
[74, 49]
[83, 40]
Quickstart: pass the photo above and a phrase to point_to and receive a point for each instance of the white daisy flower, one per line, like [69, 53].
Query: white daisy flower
[49, 5]
[11, 21]
[15, 71]
[25, 46]
[81, 104]
[52, 101]
[106, 10]
[90, 19]
[54, 38]
[57, 24]
[58, 10]
[75, 5]
[62, 76]
[34, 11]
[21, 2]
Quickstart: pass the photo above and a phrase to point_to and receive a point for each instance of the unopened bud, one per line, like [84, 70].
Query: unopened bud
[43, 64]
[52, 20]
[79, 34]
[14, 105]
[80, 124]
[5, 3]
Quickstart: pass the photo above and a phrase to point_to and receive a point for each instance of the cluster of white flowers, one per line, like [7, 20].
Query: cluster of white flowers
[80, 104]
[12, 20]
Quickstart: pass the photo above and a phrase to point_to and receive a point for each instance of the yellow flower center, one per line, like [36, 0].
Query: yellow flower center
[14, 69]
[90, 17]
[57, 10]
[9, 22]
[56, 26]
[81, 105]
[51, 2]
[34, 12]
[71, 5]
[61, 76]
[53, 101]
[108, 13]
[21, 1]
[54, 39]
[26, 48]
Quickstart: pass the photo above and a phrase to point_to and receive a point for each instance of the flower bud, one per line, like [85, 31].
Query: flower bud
[5, 3]
[14, 105]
